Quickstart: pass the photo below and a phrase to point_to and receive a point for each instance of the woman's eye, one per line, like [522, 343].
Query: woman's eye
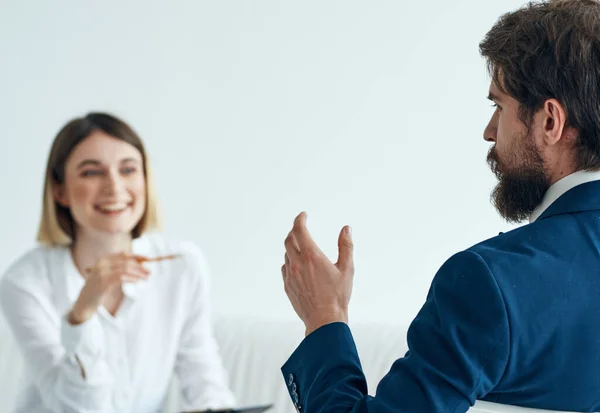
[128, 170]
[91, 172]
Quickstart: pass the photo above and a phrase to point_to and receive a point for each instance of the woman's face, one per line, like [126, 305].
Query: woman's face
[105, 185]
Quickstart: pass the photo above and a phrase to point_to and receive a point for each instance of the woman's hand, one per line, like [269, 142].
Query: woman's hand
[108, 273]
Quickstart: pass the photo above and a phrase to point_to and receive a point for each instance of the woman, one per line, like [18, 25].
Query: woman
[100, 329]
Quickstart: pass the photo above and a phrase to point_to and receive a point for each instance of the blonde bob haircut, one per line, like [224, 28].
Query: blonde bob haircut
[57, 227]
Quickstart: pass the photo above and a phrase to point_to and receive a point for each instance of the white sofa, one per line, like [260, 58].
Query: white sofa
[253, 352]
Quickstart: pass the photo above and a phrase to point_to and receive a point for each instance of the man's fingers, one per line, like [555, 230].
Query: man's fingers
[293, 240]
[345, 248]
[289, 267]
[291, 247]
[301, 233]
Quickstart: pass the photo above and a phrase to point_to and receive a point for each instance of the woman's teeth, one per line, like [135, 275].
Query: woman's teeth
[112, 207]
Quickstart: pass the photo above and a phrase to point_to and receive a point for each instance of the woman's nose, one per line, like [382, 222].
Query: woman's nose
[114, 183]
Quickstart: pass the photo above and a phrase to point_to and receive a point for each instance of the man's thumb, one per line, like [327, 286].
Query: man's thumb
[345, 247]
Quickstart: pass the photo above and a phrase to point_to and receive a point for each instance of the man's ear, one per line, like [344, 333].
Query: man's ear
[60, 195]
[555, 120]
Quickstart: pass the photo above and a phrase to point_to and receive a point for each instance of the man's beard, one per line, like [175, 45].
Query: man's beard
[522, 180]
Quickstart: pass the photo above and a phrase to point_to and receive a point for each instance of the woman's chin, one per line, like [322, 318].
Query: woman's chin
[113, 230]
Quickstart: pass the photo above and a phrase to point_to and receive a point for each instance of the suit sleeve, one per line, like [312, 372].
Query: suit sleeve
[458, 350]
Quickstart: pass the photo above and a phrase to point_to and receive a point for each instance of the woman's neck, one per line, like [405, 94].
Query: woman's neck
[88, 248]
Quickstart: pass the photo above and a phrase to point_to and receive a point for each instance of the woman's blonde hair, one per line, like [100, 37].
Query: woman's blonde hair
[57, 226]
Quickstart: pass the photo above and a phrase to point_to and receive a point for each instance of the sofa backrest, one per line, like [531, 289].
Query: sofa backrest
[253, 351]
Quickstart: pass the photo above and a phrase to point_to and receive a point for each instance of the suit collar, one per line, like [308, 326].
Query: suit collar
[562, 186]
[581, 198]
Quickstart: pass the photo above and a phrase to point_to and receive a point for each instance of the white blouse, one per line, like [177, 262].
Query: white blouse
[163, 327]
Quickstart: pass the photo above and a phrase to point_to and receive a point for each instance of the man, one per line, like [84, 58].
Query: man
[514, 319]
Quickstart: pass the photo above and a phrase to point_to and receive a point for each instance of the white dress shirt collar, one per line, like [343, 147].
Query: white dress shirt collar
[560, 187]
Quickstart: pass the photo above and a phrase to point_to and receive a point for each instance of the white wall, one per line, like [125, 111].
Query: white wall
[368, 113]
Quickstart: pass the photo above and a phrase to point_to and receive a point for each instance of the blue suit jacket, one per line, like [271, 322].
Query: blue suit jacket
[513, 320]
